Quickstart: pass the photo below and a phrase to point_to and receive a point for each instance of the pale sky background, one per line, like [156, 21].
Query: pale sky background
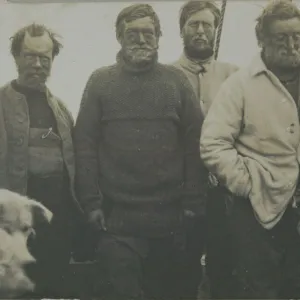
[89, 38]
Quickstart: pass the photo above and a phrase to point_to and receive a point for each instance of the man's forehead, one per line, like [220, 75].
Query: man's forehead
[41, 43]
[285, 25]
[202, 15]
[140, 23]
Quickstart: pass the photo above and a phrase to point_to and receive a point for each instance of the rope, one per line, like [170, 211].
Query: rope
[220, 28]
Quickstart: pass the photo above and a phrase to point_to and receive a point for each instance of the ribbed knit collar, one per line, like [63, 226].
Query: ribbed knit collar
[127, 66]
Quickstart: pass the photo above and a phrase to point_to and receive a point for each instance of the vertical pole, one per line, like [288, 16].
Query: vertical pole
[220, 28]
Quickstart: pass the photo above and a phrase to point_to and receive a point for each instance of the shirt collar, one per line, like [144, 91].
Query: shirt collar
[257, 66]
[195, 67]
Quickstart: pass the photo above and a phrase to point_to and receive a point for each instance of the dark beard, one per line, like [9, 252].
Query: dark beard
[283, 72]
[274, 60]
[196, 54]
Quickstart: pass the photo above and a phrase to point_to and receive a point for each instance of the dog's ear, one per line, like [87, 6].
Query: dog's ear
[40, 214]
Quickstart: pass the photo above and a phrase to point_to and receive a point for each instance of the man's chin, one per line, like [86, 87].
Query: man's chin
[141, 61]
[36, 82]
[200, 53]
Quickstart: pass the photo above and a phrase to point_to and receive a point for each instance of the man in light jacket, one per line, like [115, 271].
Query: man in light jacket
[198, 24]
[250, 142]
[36, 153]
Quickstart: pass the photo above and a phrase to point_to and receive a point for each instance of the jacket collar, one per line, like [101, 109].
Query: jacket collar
[258, 66]
[51, 99]
[195, 66]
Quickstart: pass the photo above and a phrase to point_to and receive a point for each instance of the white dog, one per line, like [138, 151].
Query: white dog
[17, 216]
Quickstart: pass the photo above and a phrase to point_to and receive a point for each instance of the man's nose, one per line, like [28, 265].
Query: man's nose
[290, 42]
[141, 38]
[200, 28]
[37, 62]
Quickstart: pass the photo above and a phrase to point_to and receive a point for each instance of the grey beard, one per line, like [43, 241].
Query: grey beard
[136, 59]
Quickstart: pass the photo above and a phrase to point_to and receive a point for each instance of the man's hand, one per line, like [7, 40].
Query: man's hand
[97, 220]
[189, 214]
[212, 180]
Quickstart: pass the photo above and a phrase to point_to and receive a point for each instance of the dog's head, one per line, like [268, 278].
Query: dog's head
[18, 214]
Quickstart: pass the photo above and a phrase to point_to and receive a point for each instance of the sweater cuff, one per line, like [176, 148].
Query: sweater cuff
[93, 204]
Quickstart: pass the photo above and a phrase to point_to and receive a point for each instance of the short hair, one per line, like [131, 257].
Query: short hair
[134, 12]
[194, 6]
[34, 30]
[275, 10]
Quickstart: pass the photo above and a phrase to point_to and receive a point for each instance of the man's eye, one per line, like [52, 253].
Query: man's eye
[148, 35]
[44, 59]
[131, 34]
[29, 56]
[207, 25]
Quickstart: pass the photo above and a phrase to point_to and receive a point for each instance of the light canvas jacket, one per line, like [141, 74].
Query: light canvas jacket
[250, 140]
[14, 146]
[205, 85]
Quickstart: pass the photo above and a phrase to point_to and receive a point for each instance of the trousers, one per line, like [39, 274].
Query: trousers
[143, 268]
[219, 252]
[266, 263]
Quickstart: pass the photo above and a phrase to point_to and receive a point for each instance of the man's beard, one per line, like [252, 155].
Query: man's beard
[198, 53]
[283, 58]
[33, 79]
[140, 55]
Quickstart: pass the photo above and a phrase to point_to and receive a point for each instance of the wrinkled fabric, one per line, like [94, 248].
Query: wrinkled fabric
[140, 268]
[252, 149]
[266, 263]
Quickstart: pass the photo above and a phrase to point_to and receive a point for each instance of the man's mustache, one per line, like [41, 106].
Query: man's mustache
[38, 73]
[141, 48]
[200, 38]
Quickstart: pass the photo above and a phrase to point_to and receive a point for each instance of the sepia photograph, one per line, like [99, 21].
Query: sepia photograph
[149, 150]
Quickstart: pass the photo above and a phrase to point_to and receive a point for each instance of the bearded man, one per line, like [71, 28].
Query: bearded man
[138, 162]
[250, 142]
[198, 23]
[36, 152]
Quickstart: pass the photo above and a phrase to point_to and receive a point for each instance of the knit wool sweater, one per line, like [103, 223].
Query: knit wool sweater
[137, 147]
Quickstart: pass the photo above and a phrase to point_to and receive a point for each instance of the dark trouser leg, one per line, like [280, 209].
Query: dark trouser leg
[218, 245]
[260, 254]
[291, 264]
[123, 267]
[163, 276]
[52, 250]
[191, 269]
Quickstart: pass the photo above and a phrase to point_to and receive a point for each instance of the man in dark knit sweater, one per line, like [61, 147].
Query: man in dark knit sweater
[36, 153]
[139, 174]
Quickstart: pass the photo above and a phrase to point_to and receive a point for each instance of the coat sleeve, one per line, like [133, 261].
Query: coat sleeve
[195, 173]
[86, 139]
[220, 130]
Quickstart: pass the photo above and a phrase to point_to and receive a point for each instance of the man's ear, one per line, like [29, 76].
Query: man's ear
[40, 214]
